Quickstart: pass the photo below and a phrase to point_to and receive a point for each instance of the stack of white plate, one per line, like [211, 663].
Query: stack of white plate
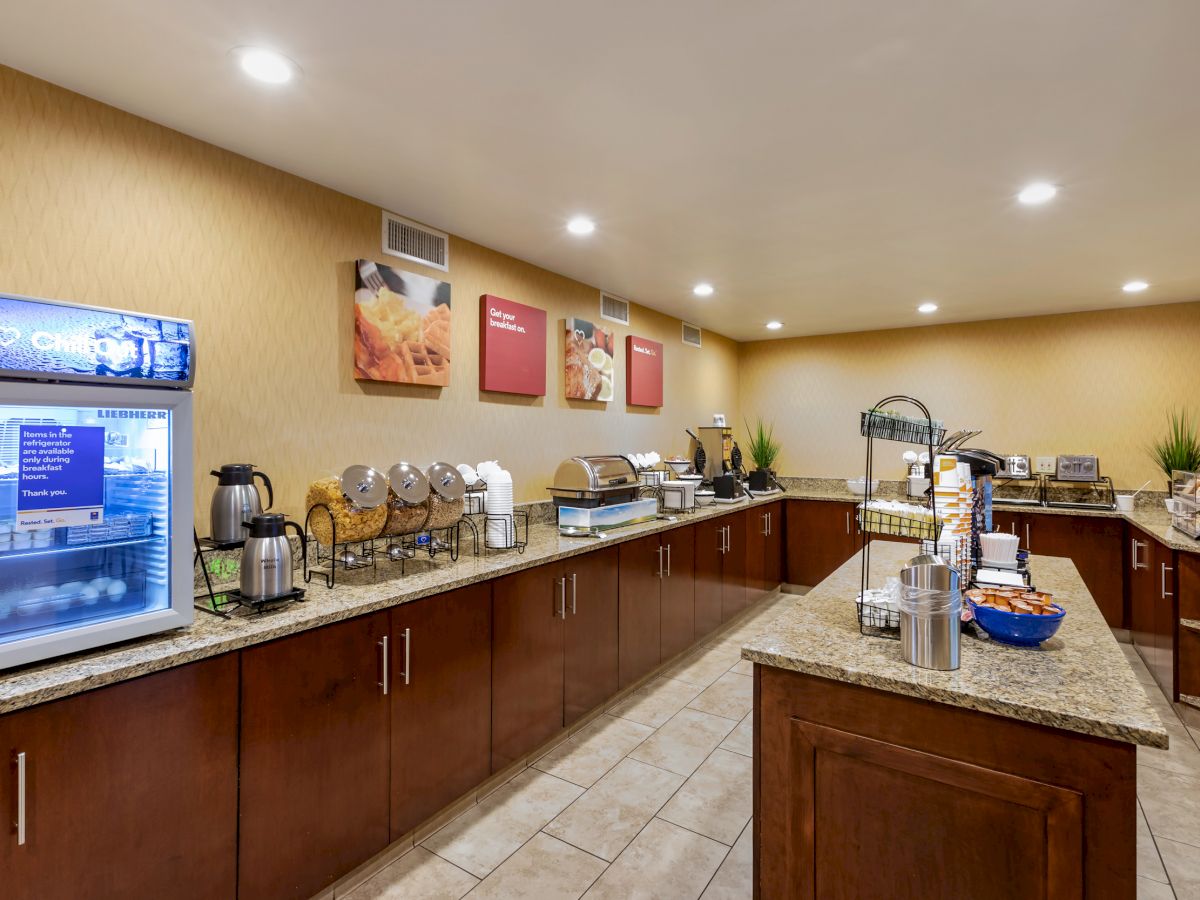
[499, 508]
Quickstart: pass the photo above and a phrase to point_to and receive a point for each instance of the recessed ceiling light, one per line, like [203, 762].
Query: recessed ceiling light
[927, 307]
[774, 325]
[581, 225]
[266, 65]
[1134, 287]
[1037, 193]
[703, 289]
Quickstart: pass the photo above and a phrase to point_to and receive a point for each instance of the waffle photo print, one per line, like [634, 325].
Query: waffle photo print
[401, 326]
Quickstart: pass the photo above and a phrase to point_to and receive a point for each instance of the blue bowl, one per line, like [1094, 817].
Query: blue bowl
[1018, 629]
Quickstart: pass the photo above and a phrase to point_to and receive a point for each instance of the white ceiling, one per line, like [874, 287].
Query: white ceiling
[829, 164]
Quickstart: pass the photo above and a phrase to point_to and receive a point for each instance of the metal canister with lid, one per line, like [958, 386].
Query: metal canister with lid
[446, 499]
[930, 613]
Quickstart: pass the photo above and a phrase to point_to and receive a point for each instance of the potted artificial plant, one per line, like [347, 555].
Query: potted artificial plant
[764, 450]
[1179, 448]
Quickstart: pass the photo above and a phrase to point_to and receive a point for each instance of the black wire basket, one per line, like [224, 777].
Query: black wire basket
[901, 428]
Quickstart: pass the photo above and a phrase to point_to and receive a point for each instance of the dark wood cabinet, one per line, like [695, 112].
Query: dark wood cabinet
[641, 567]
[709, 572]
[1094, 544]
[677, 598]
[820, 536]
[1188, 650]
[764, 550]
[590, 626]
[527, 661]
[734, 594]
[440, 682]
[130, 790]
[1154, 610]
[853, 785]
[1010, 520]
[314, 758]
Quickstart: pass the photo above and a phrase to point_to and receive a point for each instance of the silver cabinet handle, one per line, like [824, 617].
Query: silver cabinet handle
[721, 543]
[21, 799]
[1165, 570]
[383, 643]
[562, 595]
[660, 561]
[407, 653]
[766, 525]
[574, 593]
[1136, 564]
[668, 560]
[847, 521]
[1028, 542]
[770, 524]
[728, 538]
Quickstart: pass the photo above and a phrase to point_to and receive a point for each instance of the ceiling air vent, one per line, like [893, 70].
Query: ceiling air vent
[614, 309]
[691, 335]
[408, 240]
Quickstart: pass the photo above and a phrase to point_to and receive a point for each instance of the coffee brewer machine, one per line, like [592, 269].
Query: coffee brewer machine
[717, 442]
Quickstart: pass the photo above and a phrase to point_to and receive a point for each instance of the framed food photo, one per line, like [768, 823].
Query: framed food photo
[401, 326]
[587, 361]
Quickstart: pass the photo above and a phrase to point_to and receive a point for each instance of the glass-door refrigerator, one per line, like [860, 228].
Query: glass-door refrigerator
[95, 477]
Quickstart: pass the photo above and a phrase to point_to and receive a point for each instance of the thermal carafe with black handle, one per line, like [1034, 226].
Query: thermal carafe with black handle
[267, 557]
[236, 502]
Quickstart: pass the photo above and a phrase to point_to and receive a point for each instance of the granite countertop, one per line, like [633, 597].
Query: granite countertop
[357, 592]
[1151, 517]
[1078, 681]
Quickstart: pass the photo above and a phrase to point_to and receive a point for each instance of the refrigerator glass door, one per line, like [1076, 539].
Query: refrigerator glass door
[91, 548]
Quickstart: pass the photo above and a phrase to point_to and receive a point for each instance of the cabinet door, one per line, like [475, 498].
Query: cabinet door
[756, 553]
[710, 567]
[1187, 584]
[733, 579]
[641, 570]
[1009, 520]
[1166, 618]
[130, 790]
[1142, 594]
[440, 681]
[591, 632]
[773, 549]
[314, 758]
[1093, 543]
[820, 537]
[678, 596]
[527, 661]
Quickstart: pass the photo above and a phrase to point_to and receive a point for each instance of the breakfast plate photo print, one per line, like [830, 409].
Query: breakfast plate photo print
[587, 361]
[401, 326]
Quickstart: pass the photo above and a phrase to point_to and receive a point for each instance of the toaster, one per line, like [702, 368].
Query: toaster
[1077, 468]
[1017, 467]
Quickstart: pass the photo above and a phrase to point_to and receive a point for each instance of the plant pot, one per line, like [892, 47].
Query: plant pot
[760, 480]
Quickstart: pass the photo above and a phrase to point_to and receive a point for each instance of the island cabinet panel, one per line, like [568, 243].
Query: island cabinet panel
[856, 789]
[130, 790]
[1095, 545]
[440, 682]
[642, 566]
[590, 625]
[821, 535]
[314, 758]
[678, 592]
[709, 572]
[527, 661]
[734, 593]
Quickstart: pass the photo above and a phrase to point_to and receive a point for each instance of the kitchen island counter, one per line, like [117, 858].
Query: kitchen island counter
[1014, 776]
[1079, 680]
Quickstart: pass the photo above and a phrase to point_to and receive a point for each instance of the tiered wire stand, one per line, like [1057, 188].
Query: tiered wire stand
[476, 519]
[224, 604]
[874, 620]
[654, 484]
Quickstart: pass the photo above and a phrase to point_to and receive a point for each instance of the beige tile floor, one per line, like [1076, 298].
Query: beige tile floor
[653, 800]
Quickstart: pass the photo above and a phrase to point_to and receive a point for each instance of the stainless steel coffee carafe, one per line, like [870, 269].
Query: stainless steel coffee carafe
[236, 501]
[267, 557]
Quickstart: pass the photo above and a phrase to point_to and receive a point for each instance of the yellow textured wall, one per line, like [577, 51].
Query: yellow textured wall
[101, 207]
[1099, 382]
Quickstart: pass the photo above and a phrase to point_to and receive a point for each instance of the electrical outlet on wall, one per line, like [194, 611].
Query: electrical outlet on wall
[1046, 465]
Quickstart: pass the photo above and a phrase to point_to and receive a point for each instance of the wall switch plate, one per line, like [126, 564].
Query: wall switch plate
[1047, 465]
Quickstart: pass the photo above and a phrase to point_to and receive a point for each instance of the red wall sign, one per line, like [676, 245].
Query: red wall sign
[512, 347]
[643, 371]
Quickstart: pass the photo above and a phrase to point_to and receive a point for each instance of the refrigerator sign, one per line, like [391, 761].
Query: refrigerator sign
[61, 478]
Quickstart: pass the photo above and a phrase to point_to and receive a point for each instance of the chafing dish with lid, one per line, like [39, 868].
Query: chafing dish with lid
[590, 481]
